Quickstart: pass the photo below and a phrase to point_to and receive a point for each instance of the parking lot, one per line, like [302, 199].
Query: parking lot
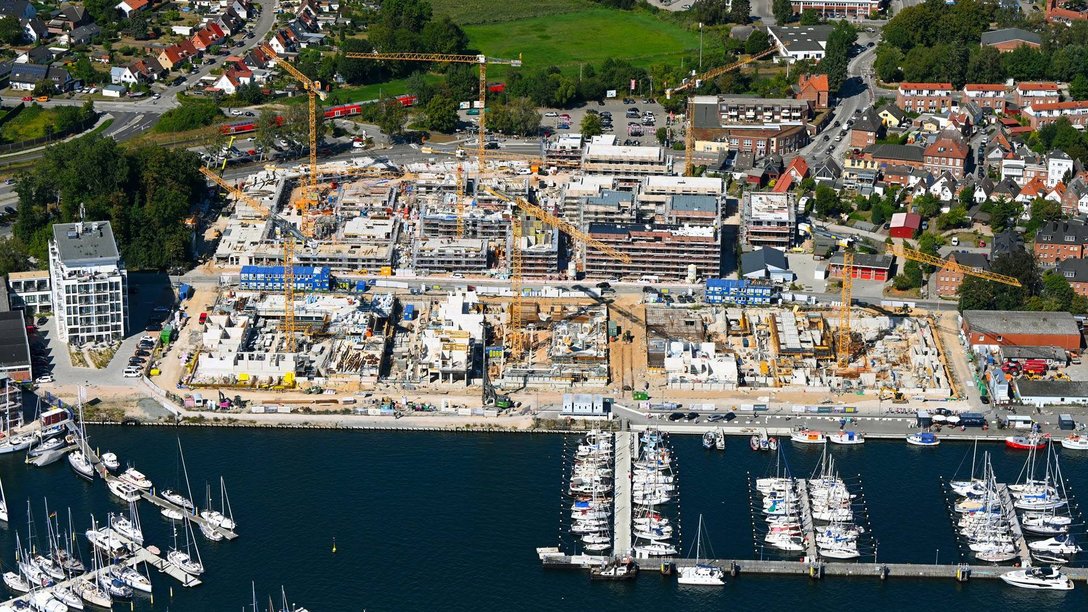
[618, 110]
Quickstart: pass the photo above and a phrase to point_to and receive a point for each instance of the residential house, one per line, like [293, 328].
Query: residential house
[1010, 39]
[68, 17]
[866, 267]
[893, 117]
[949, 153]
[123, 75]
[799, 43]
[1076, 272]
[83, 35]
[33, 29]
[232, 79]
[1065, 12]
[24, 77]
[925, 97]
[794, 173]
[949, 278]
[130, 7]
[866, 130]
[1044, 113]
[1058, 165]
[766, 263]
[895, 155]
[1060, 240]
[815, 89]
[1023, 165]
[762, 126]
[1005, 189]
[207, 36]
[826, 171]
[1075, 198]
[859, 168]
[1008, 241]
[284, 41]
[1027, 93]
[944, 188]
[176, 54]
[40, 55]
[19, 9]
[982, 189]
[1035, 188]
[985, 96]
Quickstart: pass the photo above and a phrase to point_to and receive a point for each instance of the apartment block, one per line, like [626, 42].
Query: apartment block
[1060, 240]
[1027, 93]
[464, 256]
[626, 162]
[768, 219]
[947, 154]
[564, 152]
[89, 283]
[925, 97]
[949, 280]
[664, 251]
[759, 126]
[609, 206]
[656, 192]
[1045, 113]
[837, 9]
[985, 95]
[30, 291]
[539, 249]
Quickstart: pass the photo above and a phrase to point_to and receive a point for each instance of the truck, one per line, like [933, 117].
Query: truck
[1037, 367]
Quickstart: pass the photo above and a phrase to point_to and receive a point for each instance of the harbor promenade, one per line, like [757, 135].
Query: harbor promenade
[622, 498]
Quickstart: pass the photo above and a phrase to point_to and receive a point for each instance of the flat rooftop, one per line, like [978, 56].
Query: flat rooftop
[620, 153]
[87, 243]
[1021, 322]
[771, 206]
[14, 348]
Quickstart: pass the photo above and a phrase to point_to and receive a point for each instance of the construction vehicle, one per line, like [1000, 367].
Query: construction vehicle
[895, 395]
[515, 338]
[446, 58]
[693, 83]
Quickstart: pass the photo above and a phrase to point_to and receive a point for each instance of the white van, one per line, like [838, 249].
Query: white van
[132, 372]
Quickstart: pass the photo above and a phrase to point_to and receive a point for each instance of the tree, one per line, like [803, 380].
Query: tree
[249, 94]
[713, 12]
[809, 17]
[441, 114]
[357, 71]
[985, 66]
[955, 217]
[910, 278]
[443, 36]
[418, 86]
[45, 88]
[1078, 87]
[888, 60]
[662, 134]
[517, 116]
[1003, 215]
[927, 205]
[391, 119]
[741, 11]
[828, 203]
[783, 11]
[136, 27]
[979, 294]
[13, 256]
[268, 130]
[837, 54]
[591, 125]
[757, 41]
[11, 33]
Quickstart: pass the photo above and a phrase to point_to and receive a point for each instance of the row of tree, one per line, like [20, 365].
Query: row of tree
[145, 193]
[1038, 291]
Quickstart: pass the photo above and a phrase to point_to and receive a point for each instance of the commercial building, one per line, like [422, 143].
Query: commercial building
[925, 97]
[89, 283]
[586, 404]
[30, 291]
[14, 348]
[1006, 40]
[768, 219]
[798, 43]
[837, 9]
[1041, 393]
[949, 280]
[662, 251]
[989, 329]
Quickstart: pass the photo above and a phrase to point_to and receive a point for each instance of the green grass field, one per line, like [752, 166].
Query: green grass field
[586, 36]
[466, 12]
[27, 125]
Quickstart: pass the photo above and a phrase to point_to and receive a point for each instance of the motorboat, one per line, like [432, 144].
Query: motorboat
[1044, 525]
[123, 490]
[841, 552]
[1026, 442]
[708, 440]
[923, 438]
[110, 461]
[81, 464]
[177, 499]
[16, 582]
[127, 528]
[807, 436]
[172, 513]
[846, 438]
[115, 588]
[1043, 578]
[1075, 442]
[656, 549]
[719, 440]
[66, 596]
[108, 541]
[615, 570]
[700, 574]
[132, 578]
[1061, 544]
[136, 478]
[43, 601]
[213, 534]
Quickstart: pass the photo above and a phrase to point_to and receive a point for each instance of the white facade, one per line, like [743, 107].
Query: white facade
[1057, 165]
[30, 291]
[89, 283]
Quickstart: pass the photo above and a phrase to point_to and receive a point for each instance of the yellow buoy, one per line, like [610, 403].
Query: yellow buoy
[334, 545]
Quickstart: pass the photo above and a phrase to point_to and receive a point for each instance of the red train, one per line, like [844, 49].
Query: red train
[344, 110]
[242, 127]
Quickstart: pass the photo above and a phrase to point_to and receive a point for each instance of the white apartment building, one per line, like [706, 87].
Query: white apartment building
[89, 283]
[29, 291]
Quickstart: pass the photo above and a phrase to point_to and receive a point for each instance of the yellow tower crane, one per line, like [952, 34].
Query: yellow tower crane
[899, 250]
[515, 339]
[447, 58]
[313, 92]
[842, 343]
[288, 241]
[696, 81]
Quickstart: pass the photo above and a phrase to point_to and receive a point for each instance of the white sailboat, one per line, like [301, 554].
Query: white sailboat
[3, 504]
[700, 574]
[79, 460]
[223, 518]
[128, 527]
[188, 560]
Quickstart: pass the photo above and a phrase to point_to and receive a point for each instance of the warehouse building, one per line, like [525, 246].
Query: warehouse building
[14, 347]
[989, 329]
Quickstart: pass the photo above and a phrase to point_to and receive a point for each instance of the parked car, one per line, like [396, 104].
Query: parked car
[45, 379]
[551, 114]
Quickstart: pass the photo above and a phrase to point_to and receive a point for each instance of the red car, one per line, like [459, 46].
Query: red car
[28, 98]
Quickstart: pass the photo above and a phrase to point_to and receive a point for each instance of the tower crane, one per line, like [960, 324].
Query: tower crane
[515, 338]
[313, 92]
[694, 82]
[288, 240]
[448, 58]
[899, 250]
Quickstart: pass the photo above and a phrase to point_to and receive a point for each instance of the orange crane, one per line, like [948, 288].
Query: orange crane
[696, 81]
[313, 91]
[899, 250]
[447, 58]
[516, 340]
[288, 241]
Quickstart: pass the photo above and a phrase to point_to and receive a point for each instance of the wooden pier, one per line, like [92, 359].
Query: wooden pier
[807, 524]
[1009, 511]
[621, 495]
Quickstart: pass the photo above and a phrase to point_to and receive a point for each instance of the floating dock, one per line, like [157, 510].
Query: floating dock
[807, 524]
[621, 494]
[1009, 510]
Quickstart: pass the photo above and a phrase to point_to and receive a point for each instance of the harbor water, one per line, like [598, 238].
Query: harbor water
[452, 520]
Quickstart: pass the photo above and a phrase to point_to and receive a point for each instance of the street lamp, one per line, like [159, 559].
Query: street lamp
[700, 46]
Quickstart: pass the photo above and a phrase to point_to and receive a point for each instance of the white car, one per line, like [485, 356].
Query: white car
[132, 372]
[551, 114]
[234, 112]
[45, 378]
[524, 171]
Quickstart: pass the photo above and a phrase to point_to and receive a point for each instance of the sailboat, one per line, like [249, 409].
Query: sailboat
[184, 502]
[188, 560]
[224, 518]
[700, 574]
[3, 504]
[11, 442]
[80, 462]
[128, 527]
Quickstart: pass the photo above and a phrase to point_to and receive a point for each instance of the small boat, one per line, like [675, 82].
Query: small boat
[182, 560]
[131, 578]
[923, 439]
[213, 534]
[123, 490]
[136, 478]
[700, 574]
[66, 596]
[127, 528]
[43, 601]
[1061, 544]
[1043, 578]
[656, 549]
[1075, 442]
[110, 461]
[81, 464]
[708, 440]
[177, 499]
[16, 582]
[807, 436]
[719, 440]
[92, 593]
[1026, 442]
[846, 438]
[49, 444]
[615, 570]
[172, 514]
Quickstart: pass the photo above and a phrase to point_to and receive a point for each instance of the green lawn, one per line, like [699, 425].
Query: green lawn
[29, 124]
[465, 12]
[586, 36]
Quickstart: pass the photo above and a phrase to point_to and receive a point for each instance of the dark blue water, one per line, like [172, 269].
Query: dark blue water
[426, 520]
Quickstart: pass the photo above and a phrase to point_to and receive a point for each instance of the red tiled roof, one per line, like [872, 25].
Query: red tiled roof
[983, 87]
[925, 86]
[1071, 105]
[1037, 86]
